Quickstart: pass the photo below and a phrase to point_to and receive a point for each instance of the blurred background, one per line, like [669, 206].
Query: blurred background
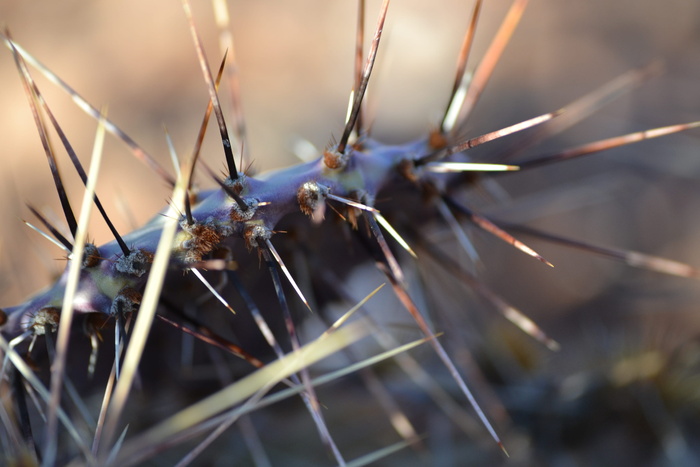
[624, 388]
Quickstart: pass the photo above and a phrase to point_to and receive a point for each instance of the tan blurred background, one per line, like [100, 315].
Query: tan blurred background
[295, 62]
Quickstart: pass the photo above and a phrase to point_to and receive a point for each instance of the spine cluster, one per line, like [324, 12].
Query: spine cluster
[109, 280]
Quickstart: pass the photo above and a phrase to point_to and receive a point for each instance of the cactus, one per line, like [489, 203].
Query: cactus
[278, 249]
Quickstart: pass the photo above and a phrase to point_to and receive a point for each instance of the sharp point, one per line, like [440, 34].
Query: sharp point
[213, 95]
[366, 73]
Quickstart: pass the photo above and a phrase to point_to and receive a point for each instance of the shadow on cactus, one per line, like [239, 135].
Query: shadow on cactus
[198, 335]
